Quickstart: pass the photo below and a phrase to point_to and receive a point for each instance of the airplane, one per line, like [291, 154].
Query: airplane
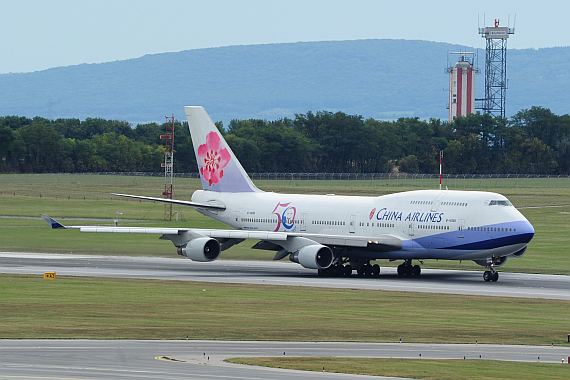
[335, 234]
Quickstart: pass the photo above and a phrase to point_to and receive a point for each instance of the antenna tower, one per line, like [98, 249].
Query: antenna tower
[495, 68]
[167, 165]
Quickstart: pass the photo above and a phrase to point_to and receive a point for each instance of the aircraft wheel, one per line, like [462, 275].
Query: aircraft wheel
[333, 270]
[409, 270]
[495, 277]
[487, 276]
[361, 271]
[401, 271]
[376, 269]
[347, 270]
[417, 270]
[322, 272]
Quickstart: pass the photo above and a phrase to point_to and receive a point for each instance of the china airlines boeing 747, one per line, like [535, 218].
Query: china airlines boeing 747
[336, 234]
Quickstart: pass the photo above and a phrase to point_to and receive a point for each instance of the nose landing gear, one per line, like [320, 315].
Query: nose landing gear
[491, 275]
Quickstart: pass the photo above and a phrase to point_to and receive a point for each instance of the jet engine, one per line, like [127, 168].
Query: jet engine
[315, 256]
[201, 249]
[497, 261]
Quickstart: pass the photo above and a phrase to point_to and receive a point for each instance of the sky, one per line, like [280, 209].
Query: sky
[41, 34]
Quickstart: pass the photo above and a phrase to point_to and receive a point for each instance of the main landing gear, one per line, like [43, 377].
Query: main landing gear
[491, 275]
[344, 269]
[336, 270]
[368, 270]
[407, 269]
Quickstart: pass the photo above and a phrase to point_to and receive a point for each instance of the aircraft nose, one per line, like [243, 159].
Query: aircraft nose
[526, 231]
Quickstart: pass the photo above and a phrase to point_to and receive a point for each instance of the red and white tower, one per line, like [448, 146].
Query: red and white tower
[462, 87]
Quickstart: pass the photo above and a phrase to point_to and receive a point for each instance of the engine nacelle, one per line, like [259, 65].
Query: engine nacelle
[497, 262]
[519, 253]
[201, 249]
[313, 256]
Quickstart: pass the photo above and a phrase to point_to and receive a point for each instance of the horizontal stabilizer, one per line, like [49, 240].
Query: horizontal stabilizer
[173, 201]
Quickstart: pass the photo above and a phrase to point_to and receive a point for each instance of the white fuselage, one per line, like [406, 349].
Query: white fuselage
[436, 224]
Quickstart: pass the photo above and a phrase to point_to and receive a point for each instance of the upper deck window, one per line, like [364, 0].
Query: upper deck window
[500, 203]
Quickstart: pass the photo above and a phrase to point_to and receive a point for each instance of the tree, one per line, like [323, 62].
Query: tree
[409, 164]
[45, 148]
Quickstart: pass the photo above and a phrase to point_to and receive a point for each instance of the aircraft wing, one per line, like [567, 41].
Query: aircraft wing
[174, 202]
[377, 243]
[381, 243]
[217, 234]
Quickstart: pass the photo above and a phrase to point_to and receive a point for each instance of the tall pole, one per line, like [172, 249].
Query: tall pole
[168, 165]
[440, 157]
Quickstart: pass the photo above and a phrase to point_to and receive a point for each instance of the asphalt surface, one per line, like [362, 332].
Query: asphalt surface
[285, 273]
[127, 359]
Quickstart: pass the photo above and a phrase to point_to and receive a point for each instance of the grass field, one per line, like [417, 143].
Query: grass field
[418, 369]
[100, 308]
[545, 202]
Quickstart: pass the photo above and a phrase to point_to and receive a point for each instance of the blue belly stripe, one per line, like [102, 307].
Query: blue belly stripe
[479, 240]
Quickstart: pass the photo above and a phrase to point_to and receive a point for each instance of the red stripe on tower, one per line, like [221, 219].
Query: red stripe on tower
[459, 90]
[451, 115]
[469, 90]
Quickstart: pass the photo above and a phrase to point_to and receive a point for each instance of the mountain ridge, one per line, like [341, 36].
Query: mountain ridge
[380, 78]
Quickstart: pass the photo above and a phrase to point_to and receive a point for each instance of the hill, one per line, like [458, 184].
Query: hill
[382, 79]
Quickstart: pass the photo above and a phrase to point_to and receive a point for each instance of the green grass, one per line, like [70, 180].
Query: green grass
[100, 308]
[85, 196]
[418, 368]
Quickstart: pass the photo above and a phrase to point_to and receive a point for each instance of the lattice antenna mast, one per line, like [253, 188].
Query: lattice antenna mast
[168, 164]
[495, 68]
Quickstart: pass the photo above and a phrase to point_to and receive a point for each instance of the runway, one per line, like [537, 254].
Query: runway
[284, 273]
[128, 359]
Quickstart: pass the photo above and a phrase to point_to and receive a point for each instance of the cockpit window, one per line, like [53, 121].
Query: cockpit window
[500, 203]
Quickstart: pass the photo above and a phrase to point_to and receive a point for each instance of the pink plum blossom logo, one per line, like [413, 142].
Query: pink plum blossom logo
[372, 213]
[212, 159]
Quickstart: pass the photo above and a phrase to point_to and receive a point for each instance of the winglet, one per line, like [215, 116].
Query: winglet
[54, 224]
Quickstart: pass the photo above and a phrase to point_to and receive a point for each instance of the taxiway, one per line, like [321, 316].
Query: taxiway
[128, 359]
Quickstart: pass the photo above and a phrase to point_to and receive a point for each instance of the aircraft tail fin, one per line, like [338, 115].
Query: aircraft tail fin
[219, 168]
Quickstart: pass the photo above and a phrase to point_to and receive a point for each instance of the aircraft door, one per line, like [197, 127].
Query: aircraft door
[460, 226]
[411, 229]
[303, 219]
[352, 225]
[238, 221]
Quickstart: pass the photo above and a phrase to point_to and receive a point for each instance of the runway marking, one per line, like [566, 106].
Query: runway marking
[233, 365]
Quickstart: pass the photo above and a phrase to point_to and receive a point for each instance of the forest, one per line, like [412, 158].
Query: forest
[533, 141]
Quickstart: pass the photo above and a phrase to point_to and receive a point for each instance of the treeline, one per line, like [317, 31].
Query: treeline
[534, 141]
